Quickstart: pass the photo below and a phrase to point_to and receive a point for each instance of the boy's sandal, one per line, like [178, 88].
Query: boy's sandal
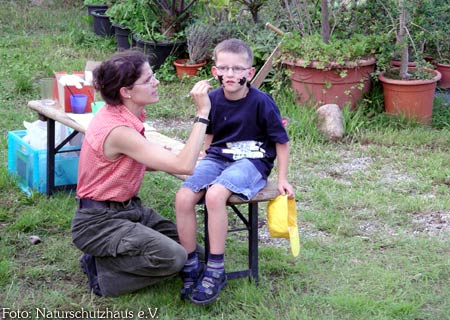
[190, 281]
[209, 287]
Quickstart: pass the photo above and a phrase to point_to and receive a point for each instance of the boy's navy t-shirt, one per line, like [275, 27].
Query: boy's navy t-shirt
[245, 128]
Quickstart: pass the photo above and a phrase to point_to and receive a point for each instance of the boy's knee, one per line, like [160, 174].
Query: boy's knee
[184, 198]
[217, 195]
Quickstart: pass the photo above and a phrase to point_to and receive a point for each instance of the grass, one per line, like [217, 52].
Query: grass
[374, 209]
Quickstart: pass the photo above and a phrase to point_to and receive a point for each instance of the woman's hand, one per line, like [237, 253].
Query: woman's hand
[199, 94]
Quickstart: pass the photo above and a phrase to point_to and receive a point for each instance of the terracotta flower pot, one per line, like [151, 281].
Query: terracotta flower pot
[183, 68]
[328, 86]
[397, 63]
[444, 69]
[411, 98]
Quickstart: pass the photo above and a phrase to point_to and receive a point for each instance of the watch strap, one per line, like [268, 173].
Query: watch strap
[202, 120]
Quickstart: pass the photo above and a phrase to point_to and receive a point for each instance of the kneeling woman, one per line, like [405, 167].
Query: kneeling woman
[126, 245]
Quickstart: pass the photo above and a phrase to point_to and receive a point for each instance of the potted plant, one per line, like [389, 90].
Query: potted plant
[102, 23]
[121, 15]
[441, 60]
[437, 45]
[328, 64]
[92, 5]
[159, 29]
[408, 91]
[198, 37]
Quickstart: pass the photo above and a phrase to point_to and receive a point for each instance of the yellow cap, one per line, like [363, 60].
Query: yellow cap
[282, 221]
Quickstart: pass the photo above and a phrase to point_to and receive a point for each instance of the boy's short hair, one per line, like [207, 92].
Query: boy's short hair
[234, 46]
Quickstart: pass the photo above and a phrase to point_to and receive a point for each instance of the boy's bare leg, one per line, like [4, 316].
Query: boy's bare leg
[216, 203]
[185, 202]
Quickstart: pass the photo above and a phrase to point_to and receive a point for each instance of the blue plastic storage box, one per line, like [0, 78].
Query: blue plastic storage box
[29, 165]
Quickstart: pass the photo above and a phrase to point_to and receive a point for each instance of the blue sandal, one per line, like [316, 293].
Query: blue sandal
[190, 281]
[209, 287]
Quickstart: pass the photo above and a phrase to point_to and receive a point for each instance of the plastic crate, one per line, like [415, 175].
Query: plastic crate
[29, 165]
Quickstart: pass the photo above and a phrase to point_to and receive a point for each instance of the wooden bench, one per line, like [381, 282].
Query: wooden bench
[269, 192]
[250, 222]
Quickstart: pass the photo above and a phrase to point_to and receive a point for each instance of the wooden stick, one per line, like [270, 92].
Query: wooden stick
[265, 69]
[273, 28]
[209, 80]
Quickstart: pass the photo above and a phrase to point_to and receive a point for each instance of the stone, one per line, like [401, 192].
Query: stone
[330, 121]
[34, 239]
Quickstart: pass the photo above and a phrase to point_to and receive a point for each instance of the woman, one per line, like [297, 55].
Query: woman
[126, 245]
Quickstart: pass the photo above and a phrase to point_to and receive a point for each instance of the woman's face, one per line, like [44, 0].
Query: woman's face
[145, 89]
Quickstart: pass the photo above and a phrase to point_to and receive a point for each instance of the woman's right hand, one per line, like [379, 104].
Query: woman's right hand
[199, 94]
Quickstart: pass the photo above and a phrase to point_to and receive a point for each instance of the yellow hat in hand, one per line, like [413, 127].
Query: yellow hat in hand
[282, 221]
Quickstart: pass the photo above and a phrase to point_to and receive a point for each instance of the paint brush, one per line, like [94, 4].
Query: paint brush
[209, 80]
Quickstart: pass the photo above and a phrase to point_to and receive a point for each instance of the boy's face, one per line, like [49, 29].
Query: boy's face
[233, 72]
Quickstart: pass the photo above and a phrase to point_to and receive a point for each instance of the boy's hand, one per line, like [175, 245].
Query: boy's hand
[284, 187]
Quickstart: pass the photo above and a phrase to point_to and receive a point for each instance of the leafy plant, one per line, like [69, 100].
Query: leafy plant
[162, 19]
[407, 47]
[338, 51]
[254, 6]
[327, 36]
[199, 39]
[123, 12]
[434, 24]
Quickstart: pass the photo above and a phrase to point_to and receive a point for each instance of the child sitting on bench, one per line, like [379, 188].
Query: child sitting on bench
[244, 136]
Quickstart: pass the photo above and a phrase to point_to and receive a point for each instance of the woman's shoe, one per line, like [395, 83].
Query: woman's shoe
[87, 263]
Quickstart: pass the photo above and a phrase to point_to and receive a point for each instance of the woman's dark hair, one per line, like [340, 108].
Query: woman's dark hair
[121, 70]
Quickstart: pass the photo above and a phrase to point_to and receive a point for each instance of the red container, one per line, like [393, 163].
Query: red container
[62, 93]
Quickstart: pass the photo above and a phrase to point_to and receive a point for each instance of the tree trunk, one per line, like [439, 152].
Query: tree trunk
[325, 22]
[403, 42]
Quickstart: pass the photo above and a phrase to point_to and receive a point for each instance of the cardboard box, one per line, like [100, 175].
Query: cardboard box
[62, 92]
[29, 165]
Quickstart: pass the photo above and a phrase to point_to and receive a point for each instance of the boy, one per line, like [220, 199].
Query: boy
[244, 136]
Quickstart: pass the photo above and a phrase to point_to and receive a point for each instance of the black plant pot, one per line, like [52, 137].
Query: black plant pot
[158, 52]
[102, 24]
[92, 7]
[123, 36]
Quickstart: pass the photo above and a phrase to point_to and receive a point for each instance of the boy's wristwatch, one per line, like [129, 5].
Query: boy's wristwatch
[202, 120]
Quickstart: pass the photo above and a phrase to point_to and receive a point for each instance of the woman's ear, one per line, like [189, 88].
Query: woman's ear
[125, 93]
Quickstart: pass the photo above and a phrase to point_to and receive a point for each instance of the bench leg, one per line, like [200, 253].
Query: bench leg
[253, 240]
[51, 152]
[252, 227]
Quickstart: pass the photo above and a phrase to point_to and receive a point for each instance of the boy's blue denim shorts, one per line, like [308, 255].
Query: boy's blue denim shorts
[240, 177]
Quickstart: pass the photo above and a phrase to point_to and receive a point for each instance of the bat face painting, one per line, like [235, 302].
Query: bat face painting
[242, 81]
